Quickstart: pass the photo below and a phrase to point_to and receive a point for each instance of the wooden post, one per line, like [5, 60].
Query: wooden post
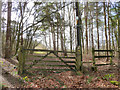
[111, 54]
[21, 59]
[78, 59]
[79, 34]
[94, 68]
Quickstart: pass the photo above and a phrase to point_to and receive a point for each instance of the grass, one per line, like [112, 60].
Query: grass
[36, 52]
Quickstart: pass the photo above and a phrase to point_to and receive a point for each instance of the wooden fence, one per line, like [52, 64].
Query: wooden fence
[102, 56]
[46, 60]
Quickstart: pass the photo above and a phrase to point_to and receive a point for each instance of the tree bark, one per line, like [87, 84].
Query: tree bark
[0, 30]
[109, 26]
[119, 32]
[97, 26]
[86, 15]
[69, 16]
[105, 28]
[8, 33]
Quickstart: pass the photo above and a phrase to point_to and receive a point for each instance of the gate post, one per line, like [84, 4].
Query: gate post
[21, 59]
[78, 58]
[94, 68]
[79, 35]
[111, 54]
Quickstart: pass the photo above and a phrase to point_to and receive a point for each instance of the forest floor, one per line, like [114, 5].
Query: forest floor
[105, 77]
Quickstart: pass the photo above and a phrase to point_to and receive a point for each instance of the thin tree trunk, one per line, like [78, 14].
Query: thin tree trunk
[49, 40]
[97, 26]
[92, 32]
[22, 13]
[53, 37]
[75, 34]
[86, 15]
[109, 26]
[8, 33]
[57, 35]
[119, 32]
[105, 28]
[113, 46]
[69, 16]
[0, 30]
[65, 54]
[102, 40]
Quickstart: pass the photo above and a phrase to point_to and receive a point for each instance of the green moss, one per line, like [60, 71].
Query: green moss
[115, 83]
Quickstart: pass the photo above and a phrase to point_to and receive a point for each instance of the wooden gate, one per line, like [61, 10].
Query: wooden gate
[49, 60]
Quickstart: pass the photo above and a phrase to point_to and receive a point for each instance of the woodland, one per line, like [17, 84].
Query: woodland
[60, 45]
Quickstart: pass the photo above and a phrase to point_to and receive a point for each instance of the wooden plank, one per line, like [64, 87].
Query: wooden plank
[50, 61]
[41, 65]
[44, 50]
[49, 69]
[60, 61]
[103, 50]
[88, 62]
[102, 56]
[36, 61]
[64, 61]
[57, 57]
[101, 64]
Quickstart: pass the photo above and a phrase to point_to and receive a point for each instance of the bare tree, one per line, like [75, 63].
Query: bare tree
[8, 33]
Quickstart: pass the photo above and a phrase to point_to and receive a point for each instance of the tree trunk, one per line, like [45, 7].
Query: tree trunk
[92, 31]
[57, 35]
[109, 26]
[61, 35]
[103, 46]
[69, 16]
[105, 28]
[97, 26]
[8, 33]
[86, 15]
[118, 38]
[22, 9]
[49, 39]
[79, 45]
[53, 37]
[0, 30]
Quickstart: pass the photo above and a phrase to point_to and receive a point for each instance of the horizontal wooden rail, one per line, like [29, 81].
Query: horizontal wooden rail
[60, 61]
[103, 50]
[53, 61]
[102, 56]
[38, 69]
[43, 50]
[41, 65]
[101, 64]
[57, 57]
[88, 62]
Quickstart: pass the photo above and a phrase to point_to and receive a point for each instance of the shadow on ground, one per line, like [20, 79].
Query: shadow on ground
[15, 82]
